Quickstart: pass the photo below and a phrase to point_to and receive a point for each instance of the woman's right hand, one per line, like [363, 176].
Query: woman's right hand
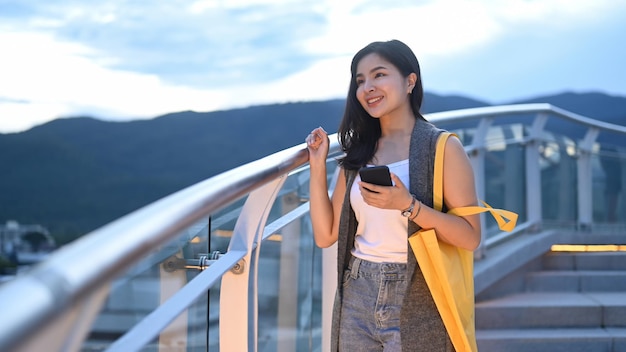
[324, 211]
[317, 143]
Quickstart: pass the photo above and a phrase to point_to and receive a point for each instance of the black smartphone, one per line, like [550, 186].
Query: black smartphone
[378, 175]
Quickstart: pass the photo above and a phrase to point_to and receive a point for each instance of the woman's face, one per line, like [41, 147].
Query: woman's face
[381, 88]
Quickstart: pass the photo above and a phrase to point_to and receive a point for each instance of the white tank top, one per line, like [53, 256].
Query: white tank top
[381, 235]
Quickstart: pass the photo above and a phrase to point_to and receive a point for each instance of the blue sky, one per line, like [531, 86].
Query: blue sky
[123, 60]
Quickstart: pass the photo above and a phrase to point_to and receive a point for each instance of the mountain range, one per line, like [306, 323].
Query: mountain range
[73, 175]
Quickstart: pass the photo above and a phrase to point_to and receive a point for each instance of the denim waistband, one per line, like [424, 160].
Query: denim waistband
[363, 268]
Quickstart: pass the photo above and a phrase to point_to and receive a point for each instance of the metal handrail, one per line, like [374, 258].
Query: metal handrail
[59, 282]
[104, 254]
[479, 113]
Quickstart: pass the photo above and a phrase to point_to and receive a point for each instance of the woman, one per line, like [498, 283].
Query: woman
[382, 301]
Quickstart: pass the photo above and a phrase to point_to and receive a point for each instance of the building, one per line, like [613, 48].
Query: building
[24, 244]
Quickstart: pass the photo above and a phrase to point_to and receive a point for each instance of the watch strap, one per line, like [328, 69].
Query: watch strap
[407, 212]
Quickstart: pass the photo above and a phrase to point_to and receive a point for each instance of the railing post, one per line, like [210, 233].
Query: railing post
[329, 289]
[329, 281]
[585, 192]
[533, 173]
[238, 299]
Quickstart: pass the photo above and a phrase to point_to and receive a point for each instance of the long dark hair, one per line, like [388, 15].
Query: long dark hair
[358, 131]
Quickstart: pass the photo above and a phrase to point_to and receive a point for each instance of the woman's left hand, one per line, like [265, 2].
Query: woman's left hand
[387, 197]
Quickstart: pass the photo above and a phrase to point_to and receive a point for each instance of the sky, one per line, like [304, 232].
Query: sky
[121, 60]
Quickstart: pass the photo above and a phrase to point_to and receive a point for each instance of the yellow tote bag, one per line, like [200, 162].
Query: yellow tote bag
[449, 270]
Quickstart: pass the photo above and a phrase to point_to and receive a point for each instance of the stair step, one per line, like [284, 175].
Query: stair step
[576, 281]
[539, 340]
[577, 303]
[553, 310]
[585, 261]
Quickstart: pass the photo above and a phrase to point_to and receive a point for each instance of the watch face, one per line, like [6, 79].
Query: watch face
[406, 213]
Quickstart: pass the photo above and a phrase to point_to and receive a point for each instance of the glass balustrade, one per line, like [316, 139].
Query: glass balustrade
[174, 298]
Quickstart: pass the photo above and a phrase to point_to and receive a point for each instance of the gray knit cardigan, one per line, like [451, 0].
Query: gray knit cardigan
[421, 327]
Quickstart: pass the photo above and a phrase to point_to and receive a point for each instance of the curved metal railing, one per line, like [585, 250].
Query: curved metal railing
[67, 291]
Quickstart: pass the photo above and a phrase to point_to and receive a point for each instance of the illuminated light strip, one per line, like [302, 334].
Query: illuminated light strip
[588, 248]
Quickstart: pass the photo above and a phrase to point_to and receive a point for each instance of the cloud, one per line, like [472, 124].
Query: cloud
[48, 78]
[121, 60]
[204, 44]
[544, 47]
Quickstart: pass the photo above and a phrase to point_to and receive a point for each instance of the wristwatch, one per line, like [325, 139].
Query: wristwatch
[406, 213]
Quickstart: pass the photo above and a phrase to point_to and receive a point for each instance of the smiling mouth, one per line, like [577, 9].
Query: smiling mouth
[374, 100]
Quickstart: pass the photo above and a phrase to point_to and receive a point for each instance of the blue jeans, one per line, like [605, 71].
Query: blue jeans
[370, 311]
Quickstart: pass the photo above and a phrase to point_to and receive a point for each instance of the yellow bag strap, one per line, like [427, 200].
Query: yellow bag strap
[500, 215]
[438, 182]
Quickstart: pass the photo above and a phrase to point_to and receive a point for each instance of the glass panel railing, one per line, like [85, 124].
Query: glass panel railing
[146, 286]
[290, 267]
[289, 283]
[572, 129]
[504, 167]
[608, 178]
[505, 185]
[559, 179]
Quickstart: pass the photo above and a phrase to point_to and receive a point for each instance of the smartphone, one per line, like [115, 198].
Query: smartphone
[378, 175]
